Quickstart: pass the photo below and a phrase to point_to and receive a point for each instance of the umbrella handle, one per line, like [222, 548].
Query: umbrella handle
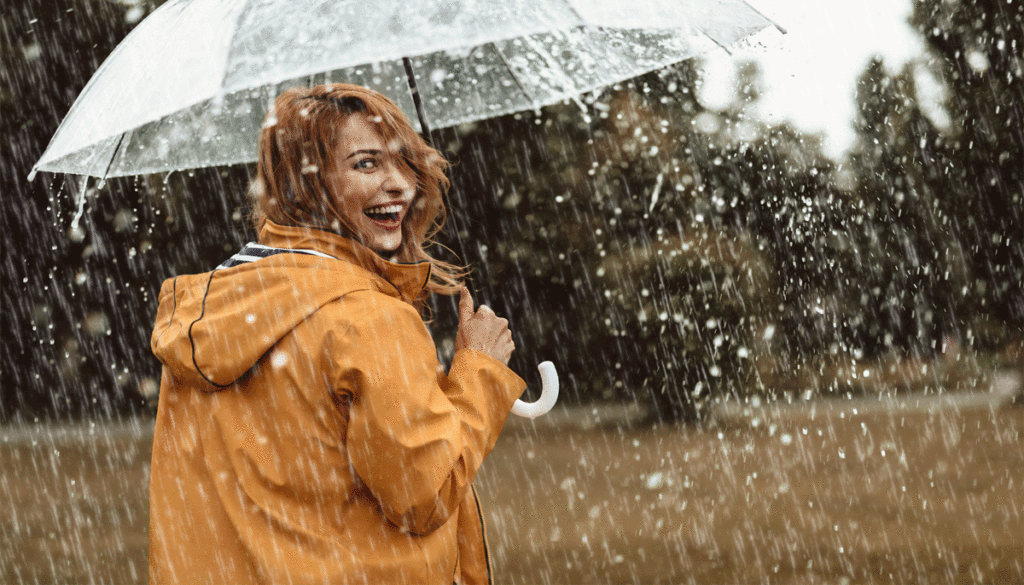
[548, 394]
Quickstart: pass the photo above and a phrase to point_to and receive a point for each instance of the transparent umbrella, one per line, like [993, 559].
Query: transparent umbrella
[190, 86]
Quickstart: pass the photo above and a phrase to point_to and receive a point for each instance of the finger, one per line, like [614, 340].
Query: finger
[485, 310]
[465, 305]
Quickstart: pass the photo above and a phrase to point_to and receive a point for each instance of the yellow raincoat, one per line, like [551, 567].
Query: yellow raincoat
[306, 432]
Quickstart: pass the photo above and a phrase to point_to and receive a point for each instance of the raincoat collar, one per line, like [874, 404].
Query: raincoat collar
[408, 279]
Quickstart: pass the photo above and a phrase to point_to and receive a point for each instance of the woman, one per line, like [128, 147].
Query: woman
[306, 432]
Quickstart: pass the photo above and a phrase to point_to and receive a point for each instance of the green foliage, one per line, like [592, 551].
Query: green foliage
[944, 205]
[977, 49]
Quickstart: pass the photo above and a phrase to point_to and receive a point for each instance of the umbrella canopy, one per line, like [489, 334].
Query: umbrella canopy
[190, 86]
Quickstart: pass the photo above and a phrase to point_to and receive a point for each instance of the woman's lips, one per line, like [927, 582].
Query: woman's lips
[387, 224]
[388, 217]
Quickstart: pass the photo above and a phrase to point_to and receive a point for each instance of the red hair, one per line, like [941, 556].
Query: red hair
[296, 154]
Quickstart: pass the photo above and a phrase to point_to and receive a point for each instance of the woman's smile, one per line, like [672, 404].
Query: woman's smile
[388, 216]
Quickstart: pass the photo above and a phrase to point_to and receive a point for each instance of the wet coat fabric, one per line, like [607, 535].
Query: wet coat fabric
[306, 432]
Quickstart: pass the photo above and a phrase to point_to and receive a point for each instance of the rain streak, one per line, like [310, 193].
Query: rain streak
[775, 365]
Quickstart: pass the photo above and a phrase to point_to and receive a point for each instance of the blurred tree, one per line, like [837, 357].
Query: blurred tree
[49, 50]
[78, 302]
[686, 283]
[945, 207]
[912, 267]
[976, 46]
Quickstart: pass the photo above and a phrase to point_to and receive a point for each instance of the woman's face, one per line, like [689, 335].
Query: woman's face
[374, 187]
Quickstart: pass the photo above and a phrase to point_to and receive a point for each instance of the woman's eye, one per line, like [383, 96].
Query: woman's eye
[366, 163]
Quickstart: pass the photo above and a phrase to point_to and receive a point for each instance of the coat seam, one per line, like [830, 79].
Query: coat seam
[192, 340]
[483, 533]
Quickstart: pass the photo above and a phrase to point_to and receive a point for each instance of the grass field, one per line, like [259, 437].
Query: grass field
[814, 493]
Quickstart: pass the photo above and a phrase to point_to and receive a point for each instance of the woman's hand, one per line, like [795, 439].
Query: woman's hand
[482, 330]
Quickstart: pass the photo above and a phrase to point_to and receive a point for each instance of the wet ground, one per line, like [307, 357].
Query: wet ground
[824, 492]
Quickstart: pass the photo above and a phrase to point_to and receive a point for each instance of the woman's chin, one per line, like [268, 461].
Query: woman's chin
[386, 249]
[384, 243]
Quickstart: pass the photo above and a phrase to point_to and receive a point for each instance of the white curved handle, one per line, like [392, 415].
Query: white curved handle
[548, 394]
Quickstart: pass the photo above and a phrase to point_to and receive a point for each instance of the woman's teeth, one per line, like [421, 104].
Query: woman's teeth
[383, 212]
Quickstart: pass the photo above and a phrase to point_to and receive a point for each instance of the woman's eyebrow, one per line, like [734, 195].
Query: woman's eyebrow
[364, 151]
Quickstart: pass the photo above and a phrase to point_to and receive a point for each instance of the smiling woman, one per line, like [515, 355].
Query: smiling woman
[306, 432]
[331, 156]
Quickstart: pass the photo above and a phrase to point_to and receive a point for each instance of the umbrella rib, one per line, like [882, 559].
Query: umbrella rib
[512, 72]
[716, 41]
[781, 28]
[227, 54]
[575, 12]
[113, 155]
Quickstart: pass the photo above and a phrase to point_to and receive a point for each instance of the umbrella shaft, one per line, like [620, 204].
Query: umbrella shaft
[416, 98]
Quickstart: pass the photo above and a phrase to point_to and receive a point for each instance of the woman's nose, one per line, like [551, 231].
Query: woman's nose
[399, 181]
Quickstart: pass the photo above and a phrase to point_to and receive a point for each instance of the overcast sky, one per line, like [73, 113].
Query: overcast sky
[810, 72]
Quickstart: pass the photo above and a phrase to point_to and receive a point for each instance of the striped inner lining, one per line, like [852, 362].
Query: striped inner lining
[252, 252]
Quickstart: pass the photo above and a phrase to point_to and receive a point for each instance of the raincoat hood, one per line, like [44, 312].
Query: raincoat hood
[216, 326]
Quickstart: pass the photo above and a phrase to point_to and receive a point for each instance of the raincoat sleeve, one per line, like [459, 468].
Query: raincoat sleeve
[416, 437]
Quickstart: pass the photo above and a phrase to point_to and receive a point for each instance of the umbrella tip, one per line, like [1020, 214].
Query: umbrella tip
[32, 174]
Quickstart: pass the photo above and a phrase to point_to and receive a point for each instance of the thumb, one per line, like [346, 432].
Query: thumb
[465, 305]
